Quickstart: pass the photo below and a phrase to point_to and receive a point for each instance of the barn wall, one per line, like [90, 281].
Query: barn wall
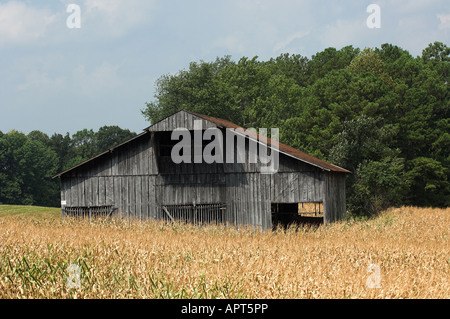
[297, 187]
[334, 205]
[189, 189]
[248, 197]
[124, 178]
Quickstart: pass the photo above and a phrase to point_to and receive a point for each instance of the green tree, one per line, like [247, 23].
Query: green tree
[62, 146]
[368, 61]
[436, 52]
[314, 103]
[26, 167]
[84, 144]
[38, 163]
[28, 162]
[109, 136]
[378, 185]
[430, 182]
[330, 59]
[39, 136]
[11, 179]
[295, 67]
[437, 55]
[378, 180]
[196, 89]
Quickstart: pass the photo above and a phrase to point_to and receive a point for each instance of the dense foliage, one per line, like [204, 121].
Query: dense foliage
[28, 162]
[381, 113]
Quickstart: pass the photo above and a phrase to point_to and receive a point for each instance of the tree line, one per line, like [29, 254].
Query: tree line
[29, 161]
[380, 113]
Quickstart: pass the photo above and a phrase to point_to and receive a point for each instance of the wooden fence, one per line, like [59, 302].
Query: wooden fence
[93, 211]
[197, 214]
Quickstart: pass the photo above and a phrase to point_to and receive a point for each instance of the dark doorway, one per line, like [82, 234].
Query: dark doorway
[285, 215]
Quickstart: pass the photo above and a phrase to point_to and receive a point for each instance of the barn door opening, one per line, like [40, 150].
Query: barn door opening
[294, 214]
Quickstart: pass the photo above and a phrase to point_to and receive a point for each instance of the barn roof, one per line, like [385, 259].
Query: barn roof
[283, 148]
[221, 123]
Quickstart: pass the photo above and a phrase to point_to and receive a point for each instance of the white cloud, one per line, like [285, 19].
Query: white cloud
[101, 79]
[23, 22]
[343, 33]
[445, 21]
[408, 6]
[41, 81]
[20, 23]
[283, 44]
[116, 17]
[263, 27]
[231, 43]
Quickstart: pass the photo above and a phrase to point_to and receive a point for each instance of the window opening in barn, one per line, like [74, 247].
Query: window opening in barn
[241, 145]
[292, 214]
[166, 144]
[194, 213]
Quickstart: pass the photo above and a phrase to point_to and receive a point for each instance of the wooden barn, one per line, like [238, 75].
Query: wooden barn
[138, 179]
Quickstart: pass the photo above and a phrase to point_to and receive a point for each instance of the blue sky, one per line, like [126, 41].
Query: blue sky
[56, 79]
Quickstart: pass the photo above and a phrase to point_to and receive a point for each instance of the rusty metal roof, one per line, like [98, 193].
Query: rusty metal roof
[283, 148]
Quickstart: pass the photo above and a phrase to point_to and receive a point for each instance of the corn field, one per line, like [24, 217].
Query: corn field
[403, 253]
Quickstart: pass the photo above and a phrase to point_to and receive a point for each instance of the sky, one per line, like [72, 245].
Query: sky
[58, 76]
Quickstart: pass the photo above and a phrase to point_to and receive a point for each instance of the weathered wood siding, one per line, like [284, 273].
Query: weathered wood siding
[334, 206]
[248, 197]
[181, 120]
[136, 180]
[124, 178]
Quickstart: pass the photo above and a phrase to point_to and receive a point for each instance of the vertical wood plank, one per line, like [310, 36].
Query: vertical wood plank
[152, 197]
[145, 198]
[131, 196]
[89, 192]
[101, 191]
[109, 183]
[116, 188]
[138, 192]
